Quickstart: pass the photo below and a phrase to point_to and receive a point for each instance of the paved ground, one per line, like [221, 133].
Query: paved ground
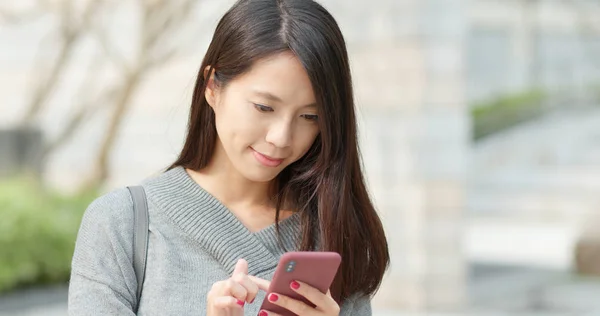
[35, 302]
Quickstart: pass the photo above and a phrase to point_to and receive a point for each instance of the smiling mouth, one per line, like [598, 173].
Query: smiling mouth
[266, 160]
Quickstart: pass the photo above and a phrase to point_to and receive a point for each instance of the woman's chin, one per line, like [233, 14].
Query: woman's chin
[260, 176]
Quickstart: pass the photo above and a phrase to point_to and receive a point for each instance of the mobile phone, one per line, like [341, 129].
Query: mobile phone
[315, 268]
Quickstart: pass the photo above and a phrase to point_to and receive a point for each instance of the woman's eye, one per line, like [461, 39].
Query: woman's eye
[263, 108]
[311, 117]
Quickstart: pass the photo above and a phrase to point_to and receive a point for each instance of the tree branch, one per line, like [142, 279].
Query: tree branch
[110, 52]
[70, 34]
[159, 19]
[160, 60]
[13, 17]
[84, 112]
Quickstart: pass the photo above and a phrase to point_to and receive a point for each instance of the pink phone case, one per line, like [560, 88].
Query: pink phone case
[317, 269]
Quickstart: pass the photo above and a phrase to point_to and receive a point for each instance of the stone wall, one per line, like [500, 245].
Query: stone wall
[514, 45]
[408, 68]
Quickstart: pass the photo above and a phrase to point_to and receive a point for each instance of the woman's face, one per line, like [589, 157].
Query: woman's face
[266, 119]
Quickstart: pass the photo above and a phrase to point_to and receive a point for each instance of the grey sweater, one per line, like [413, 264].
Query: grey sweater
[194, 241]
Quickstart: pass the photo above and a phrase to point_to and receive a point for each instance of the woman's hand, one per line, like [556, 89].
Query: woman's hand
[228, 297]
[325, 304]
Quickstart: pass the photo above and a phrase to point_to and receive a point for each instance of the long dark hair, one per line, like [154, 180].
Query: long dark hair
[326, 185]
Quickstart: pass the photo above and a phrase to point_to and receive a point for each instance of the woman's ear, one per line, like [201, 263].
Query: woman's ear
[211, 92]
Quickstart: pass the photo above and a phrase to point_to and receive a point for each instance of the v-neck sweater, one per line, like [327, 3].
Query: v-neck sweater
[194, 241]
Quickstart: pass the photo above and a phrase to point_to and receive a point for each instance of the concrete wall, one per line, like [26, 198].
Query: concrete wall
[516, 44]
[408, 67]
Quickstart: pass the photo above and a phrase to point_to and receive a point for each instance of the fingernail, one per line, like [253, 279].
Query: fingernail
[241, 303]
[273, 297]
[263, 313]
[295, 285]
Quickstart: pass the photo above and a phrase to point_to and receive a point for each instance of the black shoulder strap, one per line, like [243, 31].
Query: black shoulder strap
[140, 236]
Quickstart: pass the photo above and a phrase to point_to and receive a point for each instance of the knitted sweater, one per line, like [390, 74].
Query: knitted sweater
[194, 241]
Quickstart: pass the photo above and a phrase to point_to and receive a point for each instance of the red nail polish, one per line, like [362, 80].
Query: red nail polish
[273, 297]
[263, 313]
[295, 285]
[241, 303]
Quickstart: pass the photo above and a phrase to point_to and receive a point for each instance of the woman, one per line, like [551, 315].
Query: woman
[270, 164]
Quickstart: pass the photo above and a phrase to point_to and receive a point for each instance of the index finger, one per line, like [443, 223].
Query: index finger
[241, 267]
[262, 283]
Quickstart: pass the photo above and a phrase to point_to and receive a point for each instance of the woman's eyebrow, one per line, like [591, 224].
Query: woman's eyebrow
[273, 98]
[267, 95]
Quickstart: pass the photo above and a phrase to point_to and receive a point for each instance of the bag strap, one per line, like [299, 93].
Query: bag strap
[140, 237]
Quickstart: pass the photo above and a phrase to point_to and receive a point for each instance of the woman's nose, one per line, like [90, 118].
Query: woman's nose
[280, 134]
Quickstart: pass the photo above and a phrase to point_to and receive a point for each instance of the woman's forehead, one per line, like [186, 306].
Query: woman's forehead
[278, 79]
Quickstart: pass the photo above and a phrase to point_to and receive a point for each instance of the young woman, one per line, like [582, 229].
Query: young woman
[270, 164]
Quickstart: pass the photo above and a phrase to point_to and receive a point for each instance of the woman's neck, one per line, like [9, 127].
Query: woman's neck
[251, 206]
[251, 202]
[225, 183]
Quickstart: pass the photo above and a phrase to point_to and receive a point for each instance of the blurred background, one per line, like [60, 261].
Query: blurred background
[479, 121]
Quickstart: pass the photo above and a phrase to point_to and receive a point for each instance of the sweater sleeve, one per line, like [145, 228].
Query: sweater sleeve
[102, 276]
[358, 305]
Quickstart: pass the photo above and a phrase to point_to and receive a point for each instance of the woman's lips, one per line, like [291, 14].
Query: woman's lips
[266, 160]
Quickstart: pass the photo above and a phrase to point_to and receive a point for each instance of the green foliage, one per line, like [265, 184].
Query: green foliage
[38, 228]
[505, 111]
